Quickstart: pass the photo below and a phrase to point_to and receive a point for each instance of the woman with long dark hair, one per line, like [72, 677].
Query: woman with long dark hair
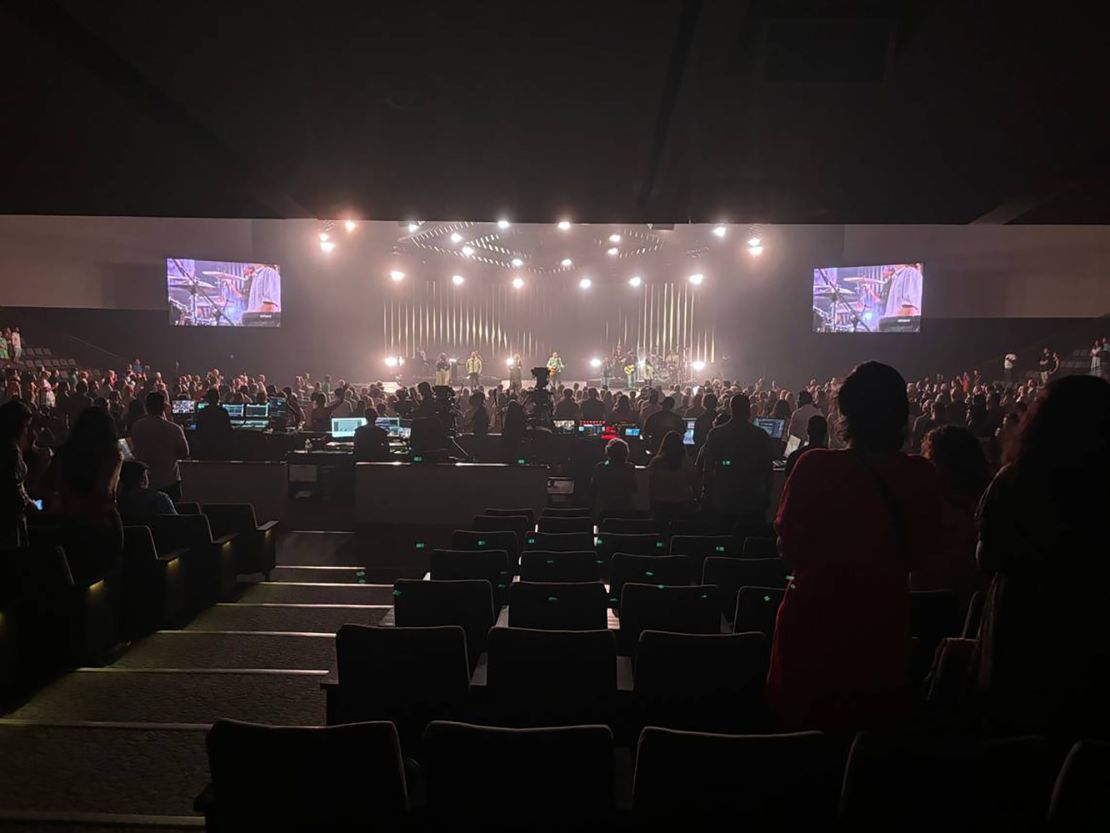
[15, 442]
[672, 478]
[852, 525]
[1043, 657]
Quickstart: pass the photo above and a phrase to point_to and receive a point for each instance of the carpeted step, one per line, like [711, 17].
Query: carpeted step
[283, 697]
[295, 593]
[230, 649]
[332, 575]
[145, 770]
[99, 823]
[277, 617]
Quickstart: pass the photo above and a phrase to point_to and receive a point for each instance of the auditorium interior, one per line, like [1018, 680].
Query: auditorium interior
[656, 416]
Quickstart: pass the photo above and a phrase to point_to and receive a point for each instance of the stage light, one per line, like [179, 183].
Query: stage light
[720, 231]
[595, 363]
[564, 225]
[414, 225]
[614, 238]
[390, 361]
[696, 278]
[453, 361]
[324, 236]
[698, 366]
[517, 262]
[755, 251]
[635, 280]
[585, 283]
[566, 263]
[641, 363]
[456, 237]
[613, 252]
[509, 361]
[503, 224]
[467, 250]
[350, 225]
[755, 242]
[397, 275]
[326, 246]
[458, 280]
[518, 283]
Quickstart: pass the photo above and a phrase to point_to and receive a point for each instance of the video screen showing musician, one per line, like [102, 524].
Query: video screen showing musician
[867, 299]
[214, 293]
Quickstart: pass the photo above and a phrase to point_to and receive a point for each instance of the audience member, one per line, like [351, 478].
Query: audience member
[371, 442]
[592, 407]
[15, 504]
[566, 407]
[136, 501]
[705, 422]
[160, 444]
[799, 420]
[477, 419]
[736, 465]
[613, 486]
[817, 430]
[658, 424]
[672, 480]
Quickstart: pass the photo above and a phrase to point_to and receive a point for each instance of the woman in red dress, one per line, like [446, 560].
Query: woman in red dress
[852, 525]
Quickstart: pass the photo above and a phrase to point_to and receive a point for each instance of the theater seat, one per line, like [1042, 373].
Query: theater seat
[540, 565]
[702, 682]
[500, 523]
[757, 608]
[630, 526]
[468, 604]
[760, 548]
[498, 780]
[550, 678]
[566, 512]
[1080, 800]
[278, 778]
[154, 594]
[701, 781]
[185, 507]
[473, 539]
[408, 675]
[463, 565]
[524, 511]
[609, 545]
[559, 542]
[645, 569]
[700, 547]
[548, 523]
[578, 606]
[211, 564]
[730, 574]
[256, 545]
[679, 609]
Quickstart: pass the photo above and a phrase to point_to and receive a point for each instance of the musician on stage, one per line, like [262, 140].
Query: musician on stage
[606, 371]
[904, 291]
[555, 367]
[516, 372]
[630, 371]
[443, 371]
[474, 369]
[264, 294]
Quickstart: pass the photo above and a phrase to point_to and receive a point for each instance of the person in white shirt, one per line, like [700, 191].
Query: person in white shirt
[1008, 364]
[799, 420]
[343, 407]
[160, 444]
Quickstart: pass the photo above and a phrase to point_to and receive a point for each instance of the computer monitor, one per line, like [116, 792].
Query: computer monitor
[773, 427]
[345, 427]
[252, 424]
[591, 428]
[256, 411]
[688, 435]
[184, 407]
[388, 422]
[404, 432]
[565, 426]
[234, 411]
[630, 431]
[278, 406]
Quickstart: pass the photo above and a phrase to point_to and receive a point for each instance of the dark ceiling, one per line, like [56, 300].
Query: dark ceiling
[853, 111]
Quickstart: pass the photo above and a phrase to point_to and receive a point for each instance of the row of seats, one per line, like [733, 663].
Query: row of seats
[354, 777]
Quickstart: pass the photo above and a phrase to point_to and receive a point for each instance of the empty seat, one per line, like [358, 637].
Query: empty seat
[609, 545]
[500, 523]
[1080, 801]
[256, 545]
[154, 593]
[702, 781]
[578, 606]
[760, 548]
[468, 604]
[524, 511]
[700, 547]
[678, 609]
[211, 564]
[630, 526]
[559, 541]
[497, 779]
[271, 778]
[463, 565]
[473, 539]
[645, 569]
[548, 523]
[409, 676]
[702, 682]
[566, 512]
[730, 574]
[540, 565]
[700, 527]
[929, 784]
[185, 507]
[757, 608]
[550, 678]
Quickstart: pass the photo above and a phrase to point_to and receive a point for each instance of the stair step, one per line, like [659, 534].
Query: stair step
[230, 649]
[285, 617]
[318, 593]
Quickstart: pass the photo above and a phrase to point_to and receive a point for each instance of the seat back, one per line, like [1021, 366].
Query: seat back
[1079, 798]
[578, 606]
[468, 604]
[138, 546]
[760, 547]
[499, 523]
[730, 574]
[228, 518]
[609, 545]
[693, 780]
[757, 608]
[557, 525]
[550, 779]
[655, 607]
[473, 539]
[299, 778]
[700, 547]
[175, 532]
[566, 512]
[702, 682]
[923, 783]
[185, 507]
[974, 615]
[466, 565]
[646, 569]
[630, 526]
[524, 511]
[408, 675]
[551, 678]
[539, 565]
[559, 541]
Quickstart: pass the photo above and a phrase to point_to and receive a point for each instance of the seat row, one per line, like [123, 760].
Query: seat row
[354, 777]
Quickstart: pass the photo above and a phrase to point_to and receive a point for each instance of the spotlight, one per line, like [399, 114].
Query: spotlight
[324, 236]
[564, 225]
[754, 242]
[397, 275]
[566, 263]
[414, 225]
[509, 361]
[453, 361]
[467, 250]
[390, 361]
[350, 225]
[503, 224]
[613, 252]
[456, 237]
[326, 246]
[517, 262]
[698, 366]
[518, 283]
[458, 280]
[755, 251]
[635, 280]
[585, 283]
[720, 231]
[595, 363]
[614, 238]
[696, 278]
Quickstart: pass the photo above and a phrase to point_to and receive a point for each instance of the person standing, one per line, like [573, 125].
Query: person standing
[15, 442]
[443, 370]
[160, 444]
[555, 367]
[474, 369]
[606, 371]
[516, 372]
[1096, 359]
[16, 344]
[1049, 363]
[737, 467]
[1008, 364]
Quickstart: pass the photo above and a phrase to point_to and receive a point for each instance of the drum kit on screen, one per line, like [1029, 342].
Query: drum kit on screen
[841, 309]
[211, 298]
